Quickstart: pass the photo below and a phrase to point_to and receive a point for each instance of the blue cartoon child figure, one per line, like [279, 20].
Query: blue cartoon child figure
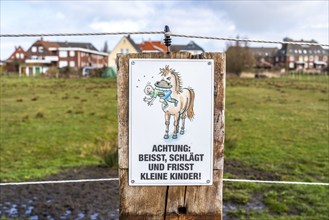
[163, 93]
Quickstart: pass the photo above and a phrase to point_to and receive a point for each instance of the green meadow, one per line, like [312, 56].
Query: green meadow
[276, 129]
[51, 124]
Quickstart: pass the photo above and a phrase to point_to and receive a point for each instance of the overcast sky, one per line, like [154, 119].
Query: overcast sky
[268, 20]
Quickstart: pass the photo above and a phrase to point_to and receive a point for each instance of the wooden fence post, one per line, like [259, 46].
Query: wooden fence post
[171, 202]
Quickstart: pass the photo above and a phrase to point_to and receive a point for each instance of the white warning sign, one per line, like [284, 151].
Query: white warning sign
[170, 121]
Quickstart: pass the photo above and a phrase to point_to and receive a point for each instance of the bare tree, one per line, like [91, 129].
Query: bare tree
[238, 58]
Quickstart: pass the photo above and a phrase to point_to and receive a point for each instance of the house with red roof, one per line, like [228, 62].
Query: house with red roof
[43, 55]
[152, 46]
[15, 59]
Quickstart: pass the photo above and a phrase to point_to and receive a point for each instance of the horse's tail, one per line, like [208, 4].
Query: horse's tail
[190, 111]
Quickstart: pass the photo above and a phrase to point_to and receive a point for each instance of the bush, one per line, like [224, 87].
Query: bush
[68, 72]
[53, 72]
[108, 152]
[96, 72]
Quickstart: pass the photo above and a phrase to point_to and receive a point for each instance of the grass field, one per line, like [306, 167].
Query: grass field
[276, 129]
[47, 125]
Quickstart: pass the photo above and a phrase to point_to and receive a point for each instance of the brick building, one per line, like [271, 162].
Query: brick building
[301, 57]
[45, 54]
[15, 59]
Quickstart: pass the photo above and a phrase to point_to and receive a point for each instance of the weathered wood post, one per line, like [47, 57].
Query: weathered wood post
[167, 197]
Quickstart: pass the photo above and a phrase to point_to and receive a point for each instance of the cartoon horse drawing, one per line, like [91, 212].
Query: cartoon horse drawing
[171, 81]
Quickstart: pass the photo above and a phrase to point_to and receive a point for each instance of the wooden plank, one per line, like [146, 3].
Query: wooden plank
[205, 200]
[196, 202]
[178, 202]
[219, 106]
[146, 201]
[123, 109]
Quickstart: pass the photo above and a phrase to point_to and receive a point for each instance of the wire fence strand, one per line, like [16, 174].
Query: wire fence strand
[162, 32]
[58, 181]
[252, 40]
[116, 179]
[79, 34]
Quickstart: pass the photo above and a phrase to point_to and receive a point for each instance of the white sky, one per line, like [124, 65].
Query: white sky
[267, 20]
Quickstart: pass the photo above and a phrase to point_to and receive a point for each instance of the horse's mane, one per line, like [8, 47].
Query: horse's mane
[178, 81]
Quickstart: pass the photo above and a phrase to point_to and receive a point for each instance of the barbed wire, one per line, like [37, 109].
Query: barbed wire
[171, 34]
[252, 40]
[116, 179]
[79, 34]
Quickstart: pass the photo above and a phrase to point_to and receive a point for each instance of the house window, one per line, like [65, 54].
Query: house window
[72, 54]
[291, 58]
[62, 53]
[316, 58]
[296, 51]
[40, 49]
[22, 56]
[300, 58]
[62, 64]
[34, 49]
[325, 58]
[34, 57]
[305, 66]
[291, 65]
[304, 51]
[127, 51]
[311, 58]
[305, 58]
[299, 51]
[122, 51]
[72, 64]
[17, 55]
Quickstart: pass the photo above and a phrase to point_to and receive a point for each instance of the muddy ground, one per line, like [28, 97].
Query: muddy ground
[90, 200]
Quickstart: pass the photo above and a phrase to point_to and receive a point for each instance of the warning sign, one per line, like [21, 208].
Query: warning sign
[170, 121]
